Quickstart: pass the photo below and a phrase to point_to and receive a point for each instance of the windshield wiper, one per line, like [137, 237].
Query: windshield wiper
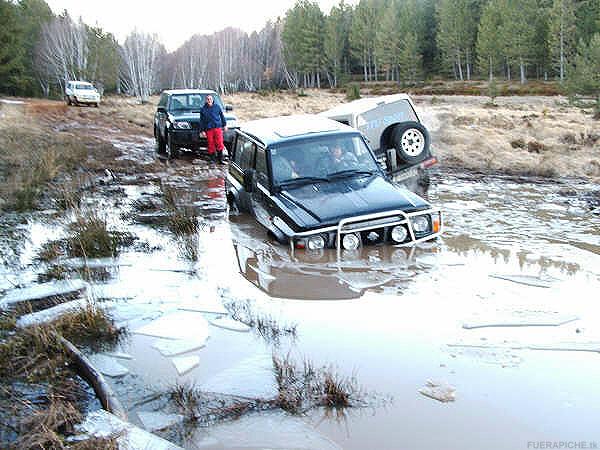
[302, 180]
[348, 172]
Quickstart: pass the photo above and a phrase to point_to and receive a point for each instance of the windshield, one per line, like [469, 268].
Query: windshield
[322, 160]
[84, 87]
[191, 101]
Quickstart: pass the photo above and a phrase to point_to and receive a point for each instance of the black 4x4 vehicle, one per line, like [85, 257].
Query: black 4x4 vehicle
[314, 182]
[177, 121]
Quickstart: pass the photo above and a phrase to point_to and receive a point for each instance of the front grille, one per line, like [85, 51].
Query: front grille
[373, 223]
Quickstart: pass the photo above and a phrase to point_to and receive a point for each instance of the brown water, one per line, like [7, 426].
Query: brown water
[392, 317]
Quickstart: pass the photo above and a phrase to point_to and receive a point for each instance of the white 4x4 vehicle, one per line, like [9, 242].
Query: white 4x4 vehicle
[395, 133]
[81, 92]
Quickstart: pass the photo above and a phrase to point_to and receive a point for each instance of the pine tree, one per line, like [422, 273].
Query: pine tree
[518, 34]
[585, 71]
[561, 38]
[489, 47]
[336, 43]
[12, 49]
[457, 28]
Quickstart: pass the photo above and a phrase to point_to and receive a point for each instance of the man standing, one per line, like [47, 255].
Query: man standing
[212, 125]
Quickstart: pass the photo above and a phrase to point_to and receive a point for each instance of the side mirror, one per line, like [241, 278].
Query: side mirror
[228, 108]
[248, 180]
[161, 109]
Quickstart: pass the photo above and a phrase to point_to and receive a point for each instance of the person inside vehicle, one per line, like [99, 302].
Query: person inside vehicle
[338, 158]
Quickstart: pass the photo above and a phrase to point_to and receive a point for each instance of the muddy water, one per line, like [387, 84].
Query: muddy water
[513, 253]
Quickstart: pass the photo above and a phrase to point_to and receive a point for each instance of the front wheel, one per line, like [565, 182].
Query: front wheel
[411, 141]
[68, 100]
[159, 142]
[171, 149]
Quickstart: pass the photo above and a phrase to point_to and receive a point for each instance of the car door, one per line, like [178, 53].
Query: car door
[260, 195]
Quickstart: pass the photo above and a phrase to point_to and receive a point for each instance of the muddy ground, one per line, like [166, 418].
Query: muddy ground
[497, 320]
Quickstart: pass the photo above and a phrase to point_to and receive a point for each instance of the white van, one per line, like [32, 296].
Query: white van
[81, 93]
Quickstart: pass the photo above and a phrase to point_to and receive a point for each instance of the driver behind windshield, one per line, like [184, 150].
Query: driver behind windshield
[339, 158]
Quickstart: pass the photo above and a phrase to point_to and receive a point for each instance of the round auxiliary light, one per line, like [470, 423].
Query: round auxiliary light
[399, 233]
[315, 242]
[420, 224]
[350, 241]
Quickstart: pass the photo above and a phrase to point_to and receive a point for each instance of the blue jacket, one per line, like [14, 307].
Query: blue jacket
[212, 117]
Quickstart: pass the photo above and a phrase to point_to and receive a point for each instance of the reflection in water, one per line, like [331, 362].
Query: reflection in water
[319, 275]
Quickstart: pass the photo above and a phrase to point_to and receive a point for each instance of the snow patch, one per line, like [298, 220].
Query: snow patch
[43, 291]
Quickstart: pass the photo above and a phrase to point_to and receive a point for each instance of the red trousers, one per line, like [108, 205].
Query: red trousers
[214, 138]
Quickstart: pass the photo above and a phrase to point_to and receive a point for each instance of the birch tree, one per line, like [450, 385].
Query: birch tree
[140, 54]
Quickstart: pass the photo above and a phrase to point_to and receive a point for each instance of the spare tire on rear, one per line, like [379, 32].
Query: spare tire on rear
[411, 141]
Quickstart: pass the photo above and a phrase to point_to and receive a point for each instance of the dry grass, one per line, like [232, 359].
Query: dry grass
[304, 387]
[521, 136]
[266, 326]
[31, 157]
[34, 358]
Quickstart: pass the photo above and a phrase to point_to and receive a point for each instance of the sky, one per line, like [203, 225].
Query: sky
[175, 21]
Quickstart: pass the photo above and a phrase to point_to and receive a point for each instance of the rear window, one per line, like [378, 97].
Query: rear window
[84, 87]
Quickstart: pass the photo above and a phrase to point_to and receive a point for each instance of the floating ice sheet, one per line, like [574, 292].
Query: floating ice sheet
[441, 392]
[208, 305]
[43, 291]
[108, 366]
[102, 424]
[274, 431]
[229, 324]
[521, 319]
[170, 347]
[177, 325]
[252, 377]
[183, 364]
[51, 314]
[156, 420]
[568, 346]
[94, 263]
[119, 355]
[528, 280]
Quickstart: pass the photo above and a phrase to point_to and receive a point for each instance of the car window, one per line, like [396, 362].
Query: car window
[247, 161]
[84, 87]
[261, 165]
[163, 100]
[321, 157]
[244, 153]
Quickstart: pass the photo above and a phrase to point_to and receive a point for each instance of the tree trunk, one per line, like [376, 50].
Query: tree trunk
[459, 64]
[491, 69]
[522, 69]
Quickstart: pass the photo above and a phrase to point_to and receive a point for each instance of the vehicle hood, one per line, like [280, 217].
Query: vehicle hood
[190, 116]
[85, 92]
[326, 203]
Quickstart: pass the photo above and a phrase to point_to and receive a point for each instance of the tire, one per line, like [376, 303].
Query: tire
[68, 100]
[96, 105]
[160, 143]
[411, 141]
[171, 149]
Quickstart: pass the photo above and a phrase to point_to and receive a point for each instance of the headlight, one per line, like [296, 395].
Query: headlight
[351, 241]
[399, 233]
[420, 224]
[315, 242]
[182, 125]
